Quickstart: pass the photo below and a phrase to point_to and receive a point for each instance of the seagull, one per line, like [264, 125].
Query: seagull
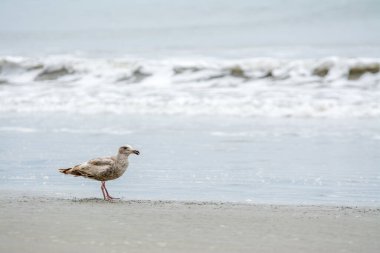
[104, 169]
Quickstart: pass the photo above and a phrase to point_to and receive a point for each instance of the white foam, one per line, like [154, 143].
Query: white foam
[111, 131]
[18, 129]
[261, 87]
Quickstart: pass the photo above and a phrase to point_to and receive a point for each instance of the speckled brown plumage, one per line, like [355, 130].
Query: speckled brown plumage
[104, 169]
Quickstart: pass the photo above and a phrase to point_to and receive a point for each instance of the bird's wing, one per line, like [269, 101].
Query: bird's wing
[102, 161]
[98, 168]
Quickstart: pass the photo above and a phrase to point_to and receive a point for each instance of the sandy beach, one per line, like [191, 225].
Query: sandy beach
[45, 224]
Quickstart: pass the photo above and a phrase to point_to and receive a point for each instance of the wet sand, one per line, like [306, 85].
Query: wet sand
[46, 224]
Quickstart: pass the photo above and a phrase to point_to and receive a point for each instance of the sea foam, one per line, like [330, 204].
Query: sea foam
[260, 87]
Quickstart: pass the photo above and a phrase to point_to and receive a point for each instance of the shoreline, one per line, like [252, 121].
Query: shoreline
[41, 195]
[45, 224]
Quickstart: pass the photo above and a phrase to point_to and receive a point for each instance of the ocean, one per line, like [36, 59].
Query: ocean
[245, 101]
[163, 28]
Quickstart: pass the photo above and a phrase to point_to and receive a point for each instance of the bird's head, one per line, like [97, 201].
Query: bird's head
[127, 150]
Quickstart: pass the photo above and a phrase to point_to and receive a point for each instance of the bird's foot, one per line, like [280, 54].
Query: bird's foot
[109, 198]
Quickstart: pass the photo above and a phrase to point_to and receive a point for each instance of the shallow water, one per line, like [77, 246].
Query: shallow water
[293, 161]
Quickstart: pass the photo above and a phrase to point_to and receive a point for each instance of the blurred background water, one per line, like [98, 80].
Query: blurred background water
[158, 28]
[254, 101]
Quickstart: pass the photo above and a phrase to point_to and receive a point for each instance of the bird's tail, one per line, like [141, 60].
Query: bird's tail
[65, 171]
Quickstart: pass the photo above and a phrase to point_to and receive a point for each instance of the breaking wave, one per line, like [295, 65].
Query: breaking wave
[261, 87]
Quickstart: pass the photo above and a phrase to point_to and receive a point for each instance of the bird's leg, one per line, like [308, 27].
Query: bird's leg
[104, 194]
[107, 194]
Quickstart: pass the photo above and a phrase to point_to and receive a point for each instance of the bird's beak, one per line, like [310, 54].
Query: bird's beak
[136, 152]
